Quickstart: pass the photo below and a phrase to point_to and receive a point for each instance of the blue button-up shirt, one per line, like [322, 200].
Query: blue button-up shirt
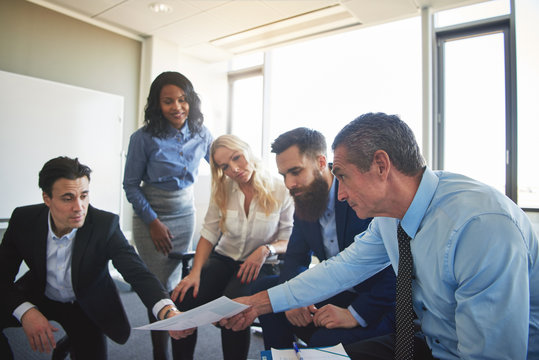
[169, 163]
[476, 286]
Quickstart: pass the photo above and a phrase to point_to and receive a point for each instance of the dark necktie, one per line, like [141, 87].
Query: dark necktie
[404, 344]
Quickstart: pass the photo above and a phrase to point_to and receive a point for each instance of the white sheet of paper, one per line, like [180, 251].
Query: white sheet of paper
[324, 353]
[205, 314]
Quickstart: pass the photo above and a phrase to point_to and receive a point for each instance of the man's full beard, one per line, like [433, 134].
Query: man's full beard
[313, 202]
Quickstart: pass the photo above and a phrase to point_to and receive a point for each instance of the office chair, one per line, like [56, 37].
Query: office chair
[63, 345]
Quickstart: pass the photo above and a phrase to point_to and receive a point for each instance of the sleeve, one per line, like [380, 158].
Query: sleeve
[376, 296]
[134, 271]
[492, 294]
[286, 218]
[135, 166]
[358, 262]
[210, 229]
[10, 261]
[298, 254]
[209, 138]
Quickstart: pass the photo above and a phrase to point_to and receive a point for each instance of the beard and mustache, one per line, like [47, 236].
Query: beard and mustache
[312, 203]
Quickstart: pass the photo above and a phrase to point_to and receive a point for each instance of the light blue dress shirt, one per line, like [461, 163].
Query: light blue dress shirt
[328, 227]
[169, 164]
[58, 286]
[476, 286]
[59, 250]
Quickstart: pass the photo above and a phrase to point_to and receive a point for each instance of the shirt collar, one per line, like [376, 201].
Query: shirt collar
[425, 192]
[184, 131]
[52, 235]
[331, 197]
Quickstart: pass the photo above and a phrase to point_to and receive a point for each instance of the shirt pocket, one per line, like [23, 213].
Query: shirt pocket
[265, 227]
[232, 223]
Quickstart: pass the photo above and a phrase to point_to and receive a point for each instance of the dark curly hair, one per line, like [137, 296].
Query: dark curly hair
[155, 122]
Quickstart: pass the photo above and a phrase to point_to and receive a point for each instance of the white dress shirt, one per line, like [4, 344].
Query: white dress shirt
[244, 234]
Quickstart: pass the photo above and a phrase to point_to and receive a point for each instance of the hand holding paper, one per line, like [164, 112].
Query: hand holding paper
[208, 313]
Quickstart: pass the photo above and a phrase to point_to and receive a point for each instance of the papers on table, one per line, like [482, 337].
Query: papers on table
[324, 353]
[206, 314]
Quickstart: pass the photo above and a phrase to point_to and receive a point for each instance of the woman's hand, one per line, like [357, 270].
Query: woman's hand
[161, 236]
[190, 281]
[250, 268]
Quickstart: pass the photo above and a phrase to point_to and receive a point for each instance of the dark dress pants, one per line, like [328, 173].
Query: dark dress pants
[279, 333]
[217, 278]
[383, 348]
[87, 341]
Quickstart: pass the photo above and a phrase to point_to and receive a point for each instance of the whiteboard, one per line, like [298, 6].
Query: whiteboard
[40, 120]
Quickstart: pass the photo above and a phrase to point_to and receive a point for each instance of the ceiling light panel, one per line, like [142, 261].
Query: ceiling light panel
[136, 15]
[297, 27]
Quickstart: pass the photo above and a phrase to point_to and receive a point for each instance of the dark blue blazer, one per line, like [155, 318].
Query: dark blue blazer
[376, 295]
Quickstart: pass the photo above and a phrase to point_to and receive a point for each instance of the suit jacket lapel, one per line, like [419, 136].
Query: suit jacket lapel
[81, 242]
[341, 209]
[39, 239]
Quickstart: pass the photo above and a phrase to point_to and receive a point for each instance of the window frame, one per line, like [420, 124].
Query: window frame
[505, 25]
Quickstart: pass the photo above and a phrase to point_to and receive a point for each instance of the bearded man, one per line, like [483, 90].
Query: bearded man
[323, 226]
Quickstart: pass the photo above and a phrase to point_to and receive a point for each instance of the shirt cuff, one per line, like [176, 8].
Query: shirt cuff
[160, 305]
[22, 309]
[148, 216]
[358, 317]
[278, 298]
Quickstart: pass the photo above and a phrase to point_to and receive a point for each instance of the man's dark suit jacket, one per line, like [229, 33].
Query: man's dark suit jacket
[375, 296]
[97, 241]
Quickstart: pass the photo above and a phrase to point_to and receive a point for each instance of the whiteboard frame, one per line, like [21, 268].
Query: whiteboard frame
[42, 119]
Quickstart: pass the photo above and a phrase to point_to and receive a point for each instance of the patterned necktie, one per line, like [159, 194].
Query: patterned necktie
[404, 346]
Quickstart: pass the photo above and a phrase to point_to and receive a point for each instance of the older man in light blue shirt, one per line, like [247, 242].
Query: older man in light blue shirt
[475, 255]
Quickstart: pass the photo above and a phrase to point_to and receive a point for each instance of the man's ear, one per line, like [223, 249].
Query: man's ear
[322, 162]
[46, 198]
[381, 162]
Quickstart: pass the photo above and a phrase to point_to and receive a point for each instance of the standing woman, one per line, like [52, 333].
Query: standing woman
[161, 167]
[249, 221]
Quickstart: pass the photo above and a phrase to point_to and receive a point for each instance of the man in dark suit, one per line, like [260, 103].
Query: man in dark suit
[323, 226]
[67, 245]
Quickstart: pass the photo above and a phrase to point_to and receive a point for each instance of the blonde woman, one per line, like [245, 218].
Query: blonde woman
[248, 222]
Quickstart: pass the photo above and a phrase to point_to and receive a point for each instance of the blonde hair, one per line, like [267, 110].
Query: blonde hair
[261, 179]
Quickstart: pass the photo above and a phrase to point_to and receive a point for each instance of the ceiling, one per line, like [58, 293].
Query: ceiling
[212, 30]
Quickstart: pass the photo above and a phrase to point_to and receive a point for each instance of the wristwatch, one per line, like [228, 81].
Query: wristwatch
[271, 249]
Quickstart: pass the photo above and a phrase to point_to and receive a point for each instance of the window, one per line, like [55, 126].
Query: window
[246, 94]
[478, 132]
[527, 38]
[472, 135]
[327, 82]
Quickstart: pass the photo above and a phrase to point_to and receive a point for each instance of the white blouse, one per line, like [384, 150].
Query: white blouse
[245, 234]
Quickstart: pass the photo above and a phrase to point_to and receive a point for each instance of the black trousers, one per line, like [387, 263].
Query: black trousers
[383, 348]
[87, 341]
[217, 278]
